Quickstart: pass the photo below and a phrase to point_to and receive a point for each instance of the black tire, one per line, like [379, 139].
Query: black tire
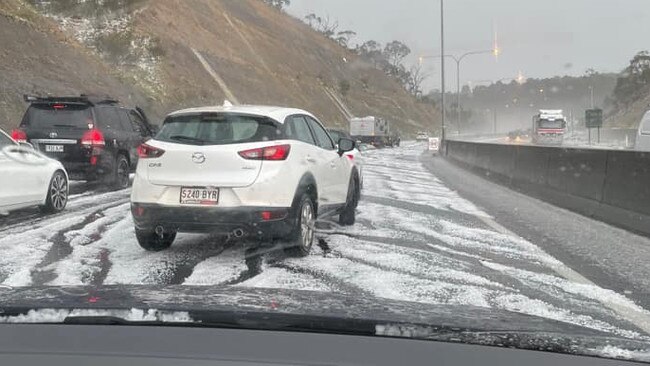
[301, 238]
[152, 242]
[118, 179]
[57, 193]
[348, 216]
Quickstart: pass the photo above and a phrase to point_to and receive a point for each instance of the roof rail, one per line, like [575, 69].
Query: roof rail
[83, 98]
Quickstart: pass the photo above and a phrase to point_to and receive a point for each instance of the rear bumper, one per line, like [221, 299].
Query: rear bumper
[214, 219]
[87, 171]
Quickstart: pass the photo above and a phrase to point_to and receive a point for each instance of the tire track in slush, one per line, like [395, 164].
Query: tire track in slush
[28, 218]
[61, 248]
[214, 246]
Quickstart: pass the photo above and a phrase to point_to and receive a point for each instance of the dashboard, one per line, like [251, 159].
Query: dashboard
[99, 345]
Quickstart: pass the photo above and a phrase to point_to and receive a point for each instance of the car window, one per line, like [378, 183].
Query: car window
[57, 115]
[297, 129]
[218, 129]
[322, 138]
[336, 136]
[125, 121]
[138, 123]
[108, 118]
[5, 141]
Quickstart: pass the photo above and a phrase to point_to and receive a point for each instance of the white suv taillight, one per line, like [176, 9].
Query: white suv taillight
[272, 153]
[149, 152]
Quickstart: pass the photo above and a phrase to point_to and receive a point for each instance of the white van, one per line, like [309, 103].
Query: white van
[643, 135]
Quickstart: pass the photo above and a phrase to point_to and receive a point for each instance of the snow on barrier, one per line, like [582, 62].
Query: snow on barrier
[609, 185]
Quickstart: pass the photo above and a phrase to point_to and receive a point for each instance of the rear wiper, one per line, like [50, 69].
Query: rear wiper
[64, 126]
[187, 138]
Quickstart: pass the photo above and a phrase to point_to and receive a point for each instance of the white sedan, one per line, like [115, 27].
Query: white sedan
[30, 178]
[262, 172]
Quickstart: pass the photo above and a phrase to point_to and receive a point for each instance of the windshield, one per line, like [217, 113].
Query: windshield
[545, 123]
[218, 129]
[54, 116]
[465, 171]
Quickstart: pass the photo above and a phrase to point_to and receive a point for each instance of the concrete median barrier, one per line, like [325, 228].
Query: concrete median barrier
[611, 186]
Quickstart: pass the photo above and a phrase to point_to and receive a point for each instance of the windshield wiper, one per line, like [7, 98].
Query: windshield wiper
[187, 138]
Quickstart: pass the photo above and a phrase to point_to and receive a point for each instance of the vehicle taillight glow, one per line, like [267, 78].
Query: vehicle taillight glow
[272, 153]
[58, 106]
[149, 152]
[274, 215]
[19, 135]
[137, 210]
[93, 137]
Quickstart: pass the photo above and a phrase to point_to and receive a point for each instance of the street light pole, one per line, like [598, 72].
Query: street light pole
[442, 60]
[458, 62]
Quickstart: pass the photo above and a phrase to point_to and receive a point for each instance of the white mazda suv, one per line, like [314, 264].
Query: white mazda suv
[261, 172]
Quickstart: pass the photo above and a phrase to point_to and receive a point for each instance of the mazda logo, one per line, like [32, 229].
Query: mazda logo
[198, 158]
[53, 135]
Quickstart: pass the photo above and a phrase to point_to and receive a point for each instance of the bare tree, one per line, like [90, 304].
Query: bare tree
[327, 26]
[343, 37]
[417, 76]
[279, 4]
[372, 51]
[396, 52]
[311, 18]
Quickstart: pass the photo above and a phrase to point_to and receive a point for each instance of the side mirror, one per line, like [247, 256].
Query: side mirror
[346, 145]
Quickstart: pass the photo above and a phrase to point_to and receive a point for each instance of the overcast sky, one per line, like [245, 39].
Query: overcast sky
[540, 38]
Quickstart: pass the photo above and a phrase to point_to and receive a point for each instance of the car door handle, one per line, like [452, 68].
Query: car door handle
[333, 165]
[310, 159]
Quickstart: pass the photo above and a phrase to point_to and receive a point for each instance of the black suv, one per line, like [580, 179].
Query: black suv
[95, 138]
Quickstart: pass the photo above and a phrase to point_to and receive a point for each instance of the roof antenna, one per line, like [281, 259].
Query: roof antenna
[226, 103]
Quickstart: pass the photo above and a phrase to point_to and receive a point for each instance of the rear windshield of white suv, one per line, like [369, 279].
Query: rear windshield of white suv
[218, 129]
[53, 116]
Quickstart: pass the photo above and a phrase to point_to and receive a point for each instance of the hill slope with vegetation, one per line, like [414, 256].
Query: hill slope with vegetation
[170, 54]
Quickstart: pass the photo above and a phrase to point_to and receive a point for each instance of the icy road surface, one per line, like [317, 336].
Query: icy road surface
[415, 240]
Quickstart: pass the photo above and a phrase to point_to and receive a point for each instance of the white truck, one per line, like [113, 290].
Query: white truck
[549, 127]
[372, 130]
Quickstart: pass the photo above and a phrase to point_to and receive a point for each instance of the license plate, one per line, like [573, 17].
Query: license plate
[199, 196]
[54, 148]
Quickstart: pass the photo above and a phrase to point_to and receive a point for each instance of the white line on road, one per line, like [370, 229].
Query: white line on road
[633, 315]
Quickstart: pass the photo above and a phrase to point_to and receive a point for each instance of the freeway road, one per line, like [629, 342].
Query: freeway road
[426, 232]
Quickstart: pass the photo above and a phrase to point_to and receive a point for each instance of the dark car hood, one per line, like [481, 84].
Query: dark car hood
[326, 312]
[304, 303]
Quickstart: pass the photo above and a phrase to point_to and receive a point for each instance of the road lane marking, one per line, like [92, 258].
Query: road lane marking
[638, 318]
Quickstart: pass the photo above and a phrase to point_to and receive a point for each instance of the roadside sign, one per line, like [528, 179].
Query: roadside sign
[594, 118]
[434, 144]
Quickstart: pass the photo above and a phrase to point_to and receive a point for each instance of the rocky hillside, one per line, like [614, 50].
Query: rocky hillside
[169, 54]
